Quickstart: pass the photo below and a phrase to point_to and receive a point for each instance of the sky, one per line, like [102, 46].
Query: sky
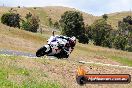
[95, 7]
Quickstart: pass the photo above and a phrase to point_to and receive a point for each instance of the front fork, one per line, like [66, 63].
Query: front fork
[48, 49]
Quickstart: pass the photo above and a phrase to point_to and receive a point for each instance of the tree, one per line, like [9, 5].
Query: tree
[123, 37]
[128, 20]
[83, 38]
[72, 24]
[125, 25]
[34, 8]
[100, 31]
[108, 42]
[18, 7]
[11, 19]
[88, 32]
[120, 42]
[31, 23]
[34, 22]
[130, 28]
[105, 16]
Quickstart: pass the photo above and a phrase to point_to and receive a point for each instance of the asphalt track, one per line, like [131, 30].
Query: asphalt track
[16, 53]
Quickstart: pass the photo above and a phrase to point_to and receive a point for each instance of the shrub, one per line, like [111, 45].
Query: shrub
[105, 16]
[31, 24]
[25, 25]
[11, 19]
[34, 8]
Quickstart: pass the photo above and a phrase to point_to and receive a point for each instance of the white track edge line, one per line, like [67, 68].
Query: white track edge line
[110, 65]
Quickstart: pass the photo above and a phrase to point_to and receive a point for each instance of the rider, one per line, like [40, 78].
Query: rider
[65, 43]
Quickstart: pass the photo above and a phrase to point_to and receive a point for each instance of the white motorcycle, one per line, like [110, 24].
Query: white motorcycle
[57, 48]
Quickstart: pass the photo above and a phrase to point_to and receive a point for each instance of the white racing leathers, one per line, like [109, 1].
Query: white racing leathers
[59, 41]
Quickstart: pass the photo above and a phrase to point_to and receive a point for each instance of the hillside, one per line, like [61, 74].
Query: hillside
[20, 72]
[55, 12]
[113, 18]
[13, 38]
[41, 72]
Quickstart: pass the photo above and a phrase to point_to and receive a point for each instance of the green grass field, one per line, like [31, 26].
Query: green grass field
[13, 75]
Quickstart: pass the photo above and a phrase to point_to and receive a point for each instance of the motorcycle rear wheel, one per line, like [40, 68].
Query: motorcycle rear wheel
[62, 54]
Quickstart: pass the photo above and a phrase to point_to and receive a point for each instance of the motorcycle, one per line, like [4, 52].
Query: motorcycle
[54, 49]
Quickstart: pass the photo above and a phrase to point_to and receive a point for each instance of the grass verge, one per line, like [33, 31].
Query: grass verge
[122, 60]
[15, 75]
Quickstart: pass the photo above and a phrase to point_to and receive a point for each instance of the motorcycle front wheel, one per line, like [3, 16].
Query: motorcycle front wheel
[41, 52]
